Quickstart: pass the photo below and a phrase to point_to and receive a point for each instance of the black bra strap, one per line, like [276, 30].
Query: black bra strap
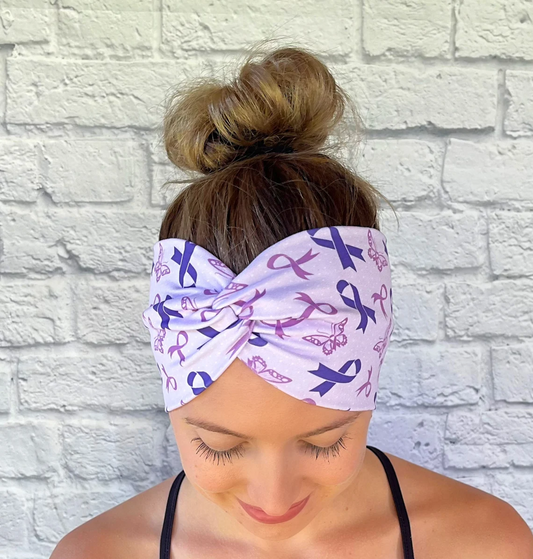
[166, 532]
[403, 518]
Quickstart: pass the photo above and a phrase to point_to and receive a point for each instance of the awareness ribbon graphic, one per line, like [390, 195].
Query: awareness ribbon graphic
[311, 314]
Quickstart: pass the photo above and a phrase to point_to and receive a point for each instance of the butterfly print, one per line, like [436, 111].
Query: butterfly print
[221, 268]
[160, 268]
[333, 341]
[379, 258]
[381, 345]
[159, 338]
[258, 364]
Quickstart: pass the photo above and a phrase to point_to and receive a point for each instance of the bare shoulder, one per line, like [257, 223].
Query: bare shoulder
[450, 519]
[128, 530]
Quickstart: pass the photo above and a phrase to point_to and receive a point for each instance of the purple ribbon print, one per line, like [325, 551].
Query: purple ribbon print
[311, 314]
[334, 377]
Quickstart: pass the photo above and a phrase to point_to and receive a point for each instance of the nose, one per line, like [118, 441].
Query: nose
[277, 485]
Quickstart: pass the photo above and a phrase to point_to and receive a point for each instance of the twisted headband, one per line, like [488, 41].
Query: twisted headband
[311, 314]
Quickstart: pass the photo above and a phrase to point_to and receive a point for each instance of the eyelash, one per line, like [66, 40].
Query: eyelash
[237, 451]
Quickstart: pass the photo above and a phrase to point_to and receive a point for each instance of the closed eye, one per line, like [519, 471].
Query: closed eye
[238, 451]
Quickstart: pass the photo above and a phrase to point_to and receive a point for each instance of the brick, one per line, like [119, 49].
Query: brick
[512, 370]
[97, 451]
[468, 456]
[471, 457]
[161, 194]
[220, 27]
[163, 170]
[29, 449]
[416, 438]
[492, 309]
[35, 312]
[488, 172]
[110, 312]
[426, 97]
[406, 170]
[88, 170]
[30, 242]
[444, 241]
[105, 241]
[417, 309]
[109, 5]
[516, 488]
[19, 180]
[519, 115]
[96, 240]
[25, 21]
[34, 5]
[13, 528]
[498, 427]
[501, 28]
[511, 243]
[421, 28]
[58, 511]
[444, 375]
[156, 148]
[120, 33]
[92, 93]
[37, 549]
[6, 373]
[89, 379]
[336, 8]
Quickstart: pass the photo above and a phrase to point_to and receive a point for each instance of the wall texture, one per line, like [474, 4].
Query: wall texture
[445, 88]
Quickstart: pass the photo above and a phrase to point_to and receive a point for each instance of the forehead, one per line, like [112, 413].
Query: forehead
[243, 401]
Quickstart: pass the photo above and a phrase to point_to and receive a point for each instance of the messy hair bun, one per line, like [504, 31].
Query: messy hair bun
[286, 102]
[259, 144]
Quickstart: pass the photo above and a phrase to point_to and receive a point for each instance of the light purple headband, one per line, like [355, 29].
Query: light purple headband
[311, 314]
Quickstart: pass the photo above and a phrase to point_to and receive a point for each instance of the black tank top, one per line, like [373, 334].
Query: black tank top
[405, 527]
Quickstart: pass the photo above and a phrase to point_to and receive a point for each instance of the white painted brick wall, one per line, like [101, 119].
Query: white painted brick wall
[499, 28]
[445, 89]
[407, 28]
[519, 118]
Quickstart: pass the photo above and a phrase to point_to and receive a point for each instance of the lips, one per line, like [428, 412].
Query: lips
[261, 516]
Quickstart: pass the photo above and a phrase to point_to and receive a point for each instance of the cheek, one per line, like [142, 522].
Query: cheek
[206, 474]
[339, 470]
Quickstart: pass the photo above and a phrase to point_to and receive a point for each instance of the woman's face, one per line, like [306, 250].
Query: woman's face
[276, 464]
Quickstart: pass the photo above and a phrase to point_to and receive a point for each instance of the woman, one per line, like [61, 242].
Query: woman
[279, 468]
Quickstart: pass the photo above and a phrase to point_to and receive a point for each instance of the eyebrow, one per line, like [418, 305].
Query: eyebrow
[218, 429]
